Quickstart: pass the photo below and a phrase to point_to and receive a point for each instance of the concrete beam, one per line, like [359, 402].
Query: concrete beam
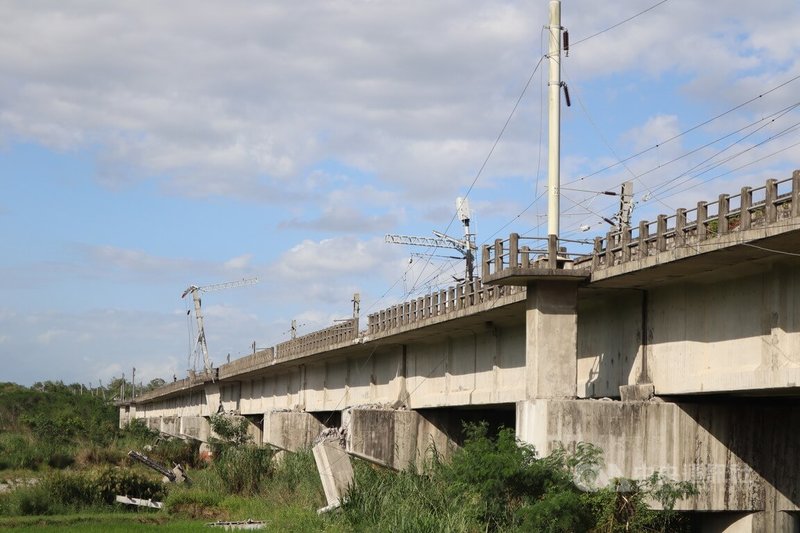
[291, 430]
[396, 439]
[195, 426]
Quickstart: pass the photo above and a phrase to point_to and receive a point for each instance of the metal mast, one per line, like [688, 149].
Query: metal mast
[465, 245]
[554, 130]
[198, 313]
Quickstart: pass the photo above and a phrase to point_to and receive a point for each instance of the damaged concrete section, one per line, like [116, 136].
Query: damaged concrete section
[291, 430]
[395, 438]
[335, 469]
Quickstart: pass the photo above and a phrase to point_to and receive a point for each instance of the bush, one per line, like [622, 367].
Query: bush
[18, 451]
[137, 430]
[501, 474]
[108, 482]
[243, 468]
[382, 500]
[231, 429]
[31, 500]
[176, 451]
[99, 455]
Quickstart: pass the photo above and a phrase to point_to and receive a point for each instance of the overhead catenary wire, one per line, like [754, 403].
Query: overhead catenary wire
[687, 131]
[618, 24]
[715, 165]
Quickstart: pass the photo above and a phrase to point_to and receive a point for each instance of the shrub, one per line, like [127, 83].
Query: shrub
[176, 451]
[231, 429]
[18, 451]
[243, 468]
[99, 455]
[382, 500]
[31, 500]
[501, 474]
[138, 430]
[108, 482]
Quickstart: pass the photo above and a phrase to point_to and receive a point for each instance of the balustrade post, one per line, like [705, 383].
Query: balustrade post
[610, 243]
[745, 217]
[723, 208]
[525, 255]
[598, 249]
[625, 241]
[513, 246]
[769, 203]
[644, 234]
[485, 260]
[702, 216]
[498, 255]
[796, 193]
[661, 233]
[552, 251]
[680, 227]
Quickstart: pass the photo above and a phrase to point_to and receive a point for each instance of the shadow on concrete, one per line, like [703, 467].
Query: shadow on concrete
[763, 433]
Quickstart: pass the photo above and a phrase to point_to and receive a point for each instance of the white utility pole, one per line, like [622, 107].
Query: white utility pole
[554, 134]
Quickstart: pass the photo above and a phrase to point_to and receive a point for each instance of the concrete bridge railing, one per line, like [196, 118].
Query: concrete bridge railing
[444, 303]
[518, 252]
[751, 208]
[318, 341]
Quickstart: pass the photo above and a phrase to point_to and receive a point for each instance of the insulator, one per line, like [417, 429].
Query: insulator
[566, 94]
[565, 39]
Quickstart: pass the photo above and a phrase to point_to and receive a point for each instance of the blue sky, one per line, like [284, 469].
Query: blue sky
[146, 146]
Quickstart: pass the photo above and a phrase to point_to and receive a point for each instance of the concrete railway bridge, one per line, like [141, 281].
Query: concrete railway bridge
[674, 346]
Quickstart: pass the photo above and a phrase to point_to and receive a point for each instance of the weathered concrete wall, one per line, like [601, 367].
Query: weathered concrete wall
[170, 424]
[466, 369]
[154, 423]
[742, 456]
[396, 438]
[291, 430]
[609, 342]
[740, 333]
[195, 426]
[480, 368]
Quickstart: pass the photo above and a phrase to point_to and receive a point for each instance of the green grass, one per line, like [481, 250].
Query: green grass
[100, 522]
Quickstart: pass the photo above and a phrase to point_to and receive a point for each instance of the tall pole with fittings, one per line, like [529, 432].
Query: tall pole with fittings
[554, 133]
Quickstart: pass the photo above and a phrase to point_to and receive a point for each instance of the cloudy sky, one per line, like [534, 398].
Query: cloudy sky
[148, 146]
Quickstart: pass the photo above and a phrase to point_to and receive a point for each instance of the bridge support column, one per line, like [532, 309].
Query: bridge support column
[395, 439]
[551, 339]
[291, 430]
